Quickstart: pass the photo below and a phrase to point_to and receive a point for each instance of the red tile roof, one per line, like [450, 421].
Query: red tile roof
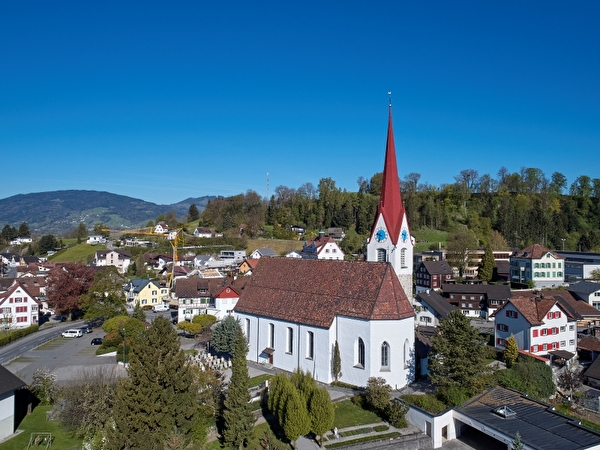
[589, 343]
[534, 309]
[313, 292]
[535, 251]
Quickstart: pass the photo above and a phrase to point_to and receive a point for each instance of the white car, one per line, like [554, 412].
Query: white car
[161, 307]
[72, 333]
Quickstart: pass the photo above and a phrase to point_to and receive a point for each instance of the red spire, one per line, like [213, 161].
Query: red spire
[390, 200]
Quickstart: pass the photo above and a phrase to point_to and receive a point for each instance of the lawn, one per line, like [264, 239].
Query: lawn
[77, 253]
[259, 379]
[425, 238]
[279, 246]
[36, 422]
[347, 414]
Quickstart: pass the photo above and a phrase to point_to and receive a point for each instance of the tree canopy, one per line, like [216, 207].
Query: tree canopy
[105, 297]
[66, 286]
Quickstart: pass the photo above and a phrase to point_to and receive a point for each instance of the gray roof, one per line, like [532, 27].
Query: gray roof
[539, 426]
[491, 291]
[438, 303]
[266, 251]
[584, 287]
[9, 382]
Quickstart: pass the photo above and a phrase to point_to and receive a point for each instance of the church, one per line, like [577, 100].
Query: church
[294, 311]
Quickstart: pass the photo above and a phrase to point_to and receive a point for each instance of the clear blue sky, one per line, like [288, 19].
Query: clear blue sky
[168, 100]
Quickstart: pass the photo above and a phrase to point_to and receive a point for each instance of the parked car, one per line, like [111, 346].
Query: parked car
[97, 341]
[59, 317]
[158, 308]
[72, 333]
[86, 330]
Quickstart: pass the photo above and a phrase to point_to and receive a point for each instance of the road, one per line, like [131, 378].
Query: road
[67, 358]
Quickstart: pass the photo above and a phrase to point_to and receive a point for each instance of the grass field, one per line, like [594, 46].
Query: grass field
[36, 422]
[347, 414]
[279, 246]
[78, 253]
[427, 238]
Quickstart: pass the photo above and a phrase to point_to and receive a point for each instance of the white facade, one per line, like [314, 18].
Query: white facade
[113, 258]
[288, 346]
[18, 309]
[7, 415]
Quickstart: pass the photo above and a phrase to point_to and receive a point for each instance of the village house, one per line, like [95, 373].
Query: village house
[145, 292]
[18, 308]
[431, 275]
[115, 258]
[431, 307]
[322, 247]
[202, 232]
[537, 264]
[487, 297]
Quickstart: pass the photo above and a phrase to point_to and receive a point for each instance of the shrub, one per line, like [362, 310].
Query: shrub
[395, 413]
[377, 394]
[13, 335]
[359, 400]
[452, 396]
[426, 402]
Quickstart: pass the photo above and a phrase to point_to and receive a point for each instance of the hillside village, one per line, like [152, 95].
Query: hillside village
[382, 310]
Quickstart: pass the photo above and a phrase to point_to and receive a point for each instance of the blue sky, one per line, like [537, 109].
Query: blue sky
[185, 99]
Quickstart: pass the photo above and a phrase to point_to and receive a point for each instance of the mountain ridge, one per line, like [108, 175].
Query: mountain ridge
[56, 212]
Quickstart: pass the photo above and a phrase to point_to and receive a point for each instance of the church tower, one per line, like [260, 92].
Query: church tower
[390, 239]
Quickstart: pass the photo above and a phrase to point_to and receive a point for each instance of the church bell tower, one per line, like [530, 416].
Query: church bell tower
[390, 239]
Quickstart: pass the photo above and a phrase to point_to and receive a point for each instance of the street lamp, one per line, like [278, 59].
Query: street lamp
[563, 241]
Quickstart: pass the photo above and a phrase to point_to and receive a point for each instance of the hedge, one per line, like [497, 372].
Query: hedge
[13, 335]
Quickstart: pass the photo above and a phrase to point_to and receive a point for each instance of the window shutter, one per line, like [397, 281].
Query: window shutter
[507, 313]
[557, 345]
[498, 327]
[532, 349]
[550, 330]
[559, 314]
[516, 315]
[535, 333]
[550, 346]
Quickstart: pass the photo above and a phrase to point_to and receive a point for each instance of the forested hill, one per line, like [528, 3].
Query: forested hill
[60, 211]
[524, 207]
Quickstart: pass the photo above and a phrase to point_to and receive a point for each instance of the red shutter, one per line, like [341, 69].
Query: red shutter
[507, 313]
[557, 345]
[498, 340]
[532, 349]
[559, 313]
[550, 331]
[498, 327]
[550, 346]
[535, 333]
[516, 315]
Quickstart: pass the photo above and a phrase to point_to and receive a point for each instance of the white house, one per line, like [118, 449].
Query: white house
[263, 252]
[96, 239]
[431, 307]
[9, 386]
[538, 264]
[18, 308]
[161, 228]
[21, 240]
[587, 291]
[322, 247]
[293, 311]
[540, 325]
[116, 258]
[202, 232]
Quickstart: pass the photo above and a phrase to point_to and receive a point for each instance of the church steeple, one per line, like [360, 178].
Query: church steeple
[390, 199]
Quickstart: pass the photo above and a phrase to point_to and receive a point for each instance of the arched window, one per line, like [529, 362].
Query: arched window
[385, 356]
[406, 353]
[360, 362]
[381, 255]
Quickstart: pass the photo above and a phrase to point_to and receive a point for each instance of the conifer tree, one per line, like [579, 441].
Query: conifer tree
[159, 397]
[336, 366]
[517, 444]
[296, 421]
[486, 267]
[138, 313]
[511, 351]
[321, 413]
[237, 414]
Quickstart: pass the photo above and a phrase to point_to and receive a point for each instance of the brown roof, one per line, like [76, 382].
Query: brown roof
[588, 343]
[579, 309]
[191, 287]
[313, 292]
[534, 309]
[535, 251]
[438, 267]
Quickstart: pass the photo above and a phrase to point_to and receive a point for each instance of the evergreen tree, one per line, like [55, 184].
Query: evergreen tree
[486, 267]
[321, 413]
[82, 233]
[517, 444]
[224, 336]
[24, 230]
[159, 397]
[457, 359]
[511, 351]
[193, 213]
[296, 421]
[237, 414]
[336, 366]
[138, 313]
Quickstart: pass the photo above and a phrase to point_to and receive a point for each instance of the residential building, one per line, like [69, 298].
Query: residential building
[193, 297]
[294, 310]
[146, 292]
[263, 252]
[540, 325]
[536, 263]
[336, 233]
[487, 297]
[431, 275]
[232, 257]
[390, 239]
[293, 254]
[322, 247]
[18, 307]
[161, 228]
[10, 387]
[588, 291]
[247, 266]
[96, 239]
[115, 258]
[202, 232]
[430, 308]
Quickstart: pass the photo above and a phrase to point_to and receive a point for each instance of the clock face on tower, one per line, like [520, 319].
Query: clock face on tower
[404, 235]
[381, 235]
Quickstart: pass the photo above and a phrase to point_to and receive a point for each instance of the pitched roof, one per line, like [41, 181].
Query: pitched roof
[438, 267]
[439, 304]
[492, 291]
[533, 309]
[9, 382]
[579, 309]
[594, 370]
[314, 292]
[584, 287]
[193, 287]
[588, 343]
[535, 251]
[390, 199]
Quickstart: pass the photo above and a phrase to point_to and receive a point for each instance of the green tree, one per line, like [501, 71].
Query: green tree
[461, 245]
[322, 413]
[101, 230]
[105, 297]
[224, 335]
[43, 385]
[457, 357]
[528, 376]
[159, 397]
[511, 351]
[138, 313]
[296, 421]
[193, 213]
[377, 394]
[82, 232]
[238, 419]
[24, 230]
[336, 365]
[47, 243]
[517, 444]
[487, 265]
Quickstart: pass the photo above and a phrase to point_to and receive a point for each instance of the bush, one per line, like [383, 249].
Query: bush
[377, 394]
[395, 413]
[427, 402]
[452, 396]
[13, 335]
[359, 400]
